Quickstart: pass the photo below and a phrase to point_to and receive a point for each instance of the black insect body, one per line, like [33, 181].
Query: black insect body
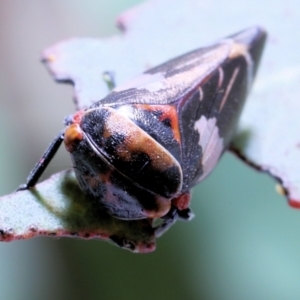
[141, 149]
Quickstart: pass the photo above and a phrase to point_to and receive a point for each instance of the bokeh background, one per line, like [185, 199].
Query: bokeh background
[243, 244]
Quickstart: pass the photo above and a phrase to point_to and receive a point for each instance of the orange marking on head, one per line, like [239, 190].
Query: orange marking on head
[73, 135]
[168, 112]
[137, 140]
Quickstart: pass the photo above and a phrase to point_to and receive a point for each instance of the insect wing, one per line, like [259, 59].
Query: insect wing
[170, 81]
[223, 99]
[190, 106]
[208, 87]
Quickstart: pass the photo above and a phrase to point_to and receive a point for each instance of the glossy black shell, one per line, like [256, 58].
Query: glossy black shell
[154, 138]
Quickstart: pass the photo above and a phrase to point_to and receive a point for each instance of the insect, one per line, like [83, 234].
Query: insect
[141, 149]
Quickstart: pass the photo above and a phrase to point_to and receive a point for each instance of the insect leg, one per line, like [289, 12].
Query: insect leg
[42, 164]
[171, 217]
[168, 220]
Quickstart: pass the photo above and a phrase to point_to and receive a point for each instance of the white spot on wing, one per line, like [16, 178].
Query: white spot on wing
[211, 143]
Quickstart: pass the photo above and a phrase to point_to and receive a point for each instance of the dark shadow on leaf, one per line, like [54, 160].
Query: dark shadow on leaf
[241, 140]
[84, 217]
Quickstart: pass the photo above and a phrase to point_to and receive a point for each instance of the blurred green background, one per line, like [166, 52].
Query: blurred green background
[243, 244]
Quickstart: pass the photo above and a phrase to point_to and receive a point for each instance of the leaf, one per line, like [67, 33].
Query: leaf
[268, 135]
[57, 207]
